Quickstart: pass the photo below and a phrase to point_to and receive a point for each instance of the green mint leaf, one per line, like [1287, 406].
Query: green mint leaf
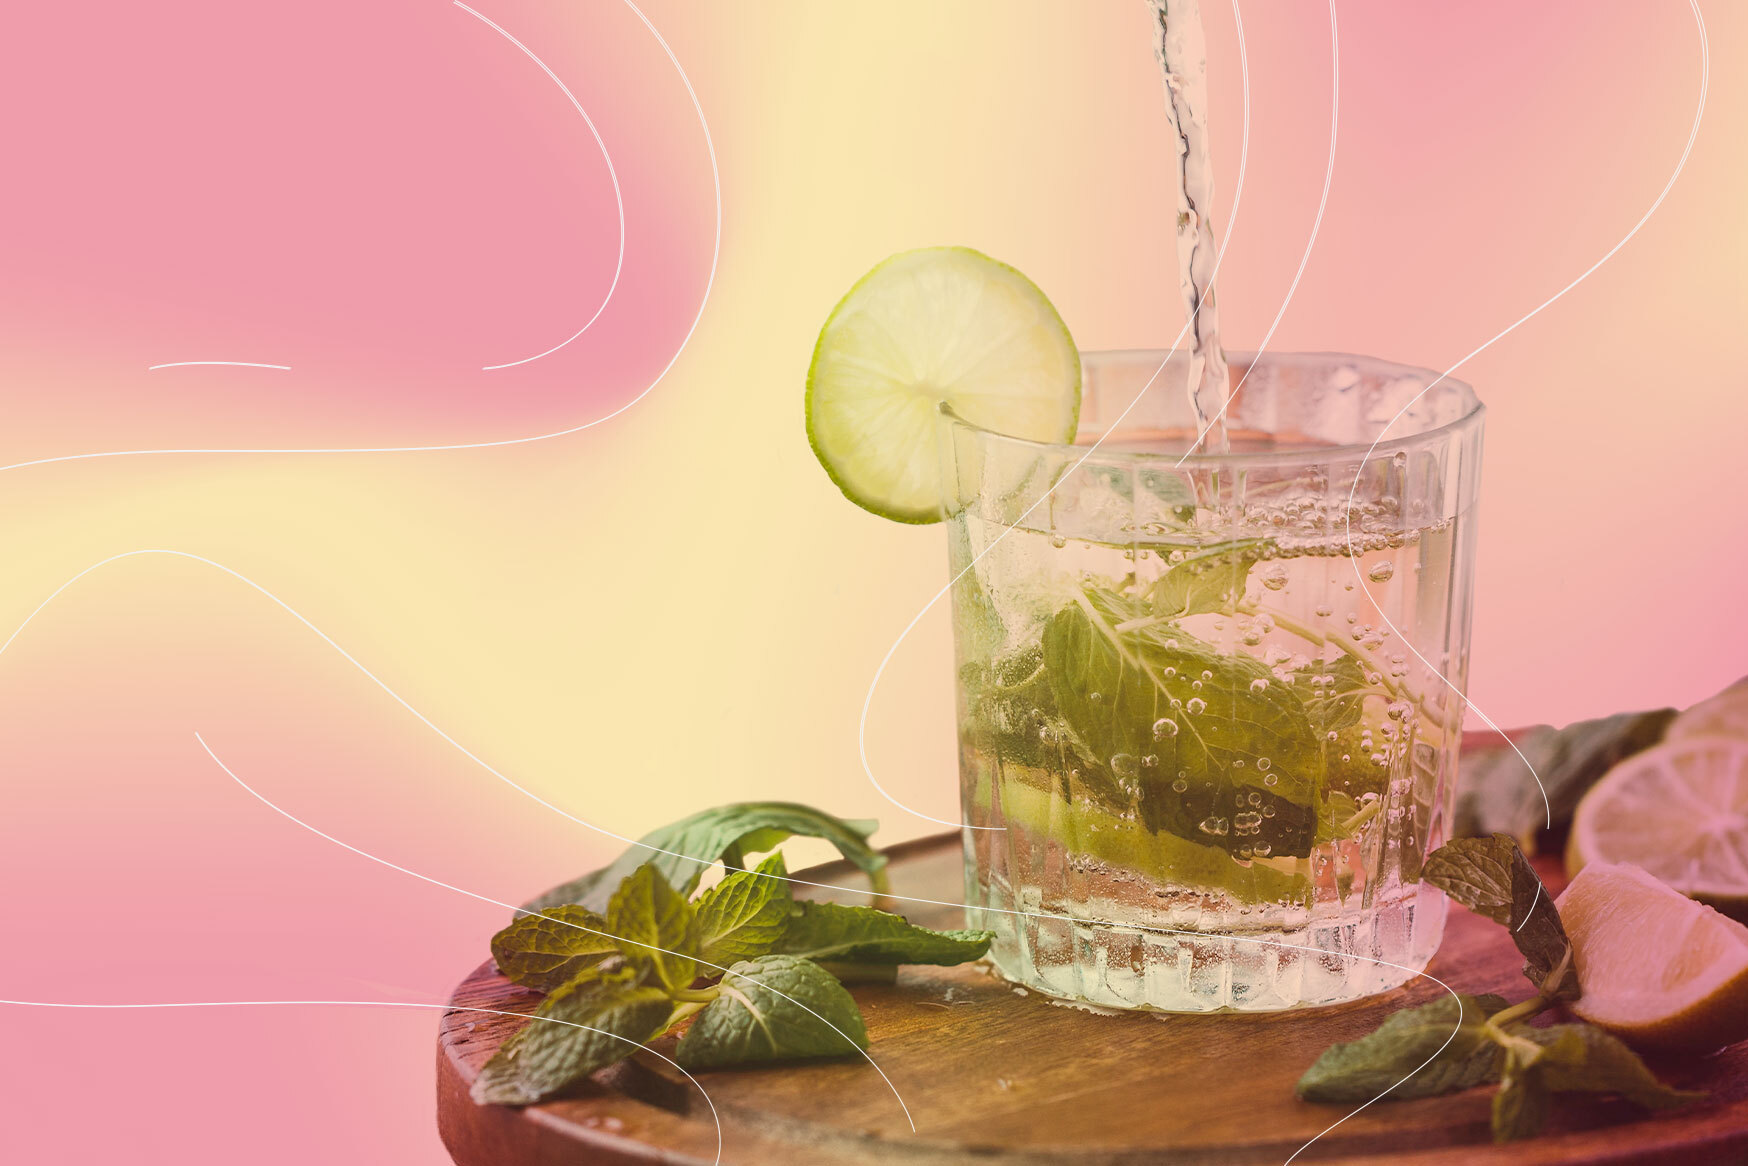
[863, 935]
[1340, 700]
[1521, 1105]
[1581, 1058]
[759, 1016]
[1213, 581]
[1363, 1069]
[1499, 794]
[1492, 877]
[552, 1054]
[695, 843]
[544, 951]
[743, 916]
[1132, 691]
[654, 926]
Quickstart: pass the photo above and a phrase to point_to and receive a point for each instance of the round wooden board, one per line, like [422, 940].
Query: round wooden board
[993, 1076]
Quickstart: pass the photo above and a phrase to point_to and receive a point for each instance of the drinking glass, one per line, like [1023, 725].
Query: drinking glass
[1208, 705]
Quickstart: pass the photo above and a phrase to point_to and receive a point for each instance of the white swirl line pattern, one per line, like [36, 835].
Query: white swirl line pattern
[618, 197]
[880, 670]
[511, 907]
[1693, 133]
[444, 1008]
[703, 303]
[537, 799]
[225, 363]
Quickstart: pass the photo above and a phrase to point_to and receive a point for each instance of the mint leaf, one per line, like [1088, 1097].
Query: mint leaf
[863, 935]
[546, 950]
[1581, 1058]
[1213, 581]
[654, 926]
[1133, 691]
[553, 1053]
[743, 916]
[750, 1021]
[1384, 1059]
[1338, 702]
[698, 842]
[1499, 794]
[1492, 877]
[1521, 1105]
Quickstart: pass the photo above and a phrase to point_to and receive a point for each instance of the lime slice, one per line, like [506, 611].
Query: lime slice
[1659, 970]
[1681, 812]
[940, 325]
[1725, 714]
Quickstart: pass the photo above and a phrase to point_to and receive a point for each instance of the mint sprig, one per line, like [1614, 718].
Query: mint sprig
[755, 972]
[682, 851]
[1454, 1044]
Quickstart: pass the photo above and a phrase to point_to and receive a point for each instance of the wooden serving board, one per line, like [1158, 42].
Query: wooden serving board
[994, 1076]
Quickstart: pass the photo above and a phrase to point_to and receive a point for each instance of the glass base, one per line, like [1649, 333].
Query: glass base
[1280, 964]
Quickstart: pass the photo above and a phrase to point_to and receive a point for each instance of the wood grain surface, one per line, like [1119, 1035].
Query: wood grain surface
[991, 1075]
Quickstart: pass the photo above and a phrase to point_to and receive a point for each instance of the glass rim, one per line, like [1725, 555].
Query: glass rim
[1470, 417]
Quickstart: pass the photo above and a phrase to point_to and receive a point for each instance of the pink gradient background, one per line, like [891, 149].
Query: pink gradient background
[676, 608]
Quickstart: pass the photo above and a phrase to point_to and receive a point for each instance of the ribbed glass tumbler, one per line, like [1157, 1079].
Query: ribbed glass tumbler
[1208, 710]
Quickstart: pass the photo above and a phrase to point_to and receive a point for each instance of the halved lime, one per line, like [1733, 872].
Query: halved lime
[943, 324]
[1680, 811]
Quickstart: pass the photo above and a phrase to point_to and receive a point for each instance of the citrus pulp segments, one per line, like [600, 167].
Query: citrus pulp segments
[1679, 810]
[940, 325]
[1655, 967]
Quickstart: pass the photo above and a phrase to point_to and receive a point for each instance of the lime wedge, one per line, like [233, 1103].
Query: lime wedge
[1658, 969]
[940, 325]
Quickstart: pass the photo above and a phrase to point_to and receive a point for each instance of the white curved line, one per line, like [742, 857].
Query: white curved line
[231, 363]
[618, 198]
[1693, 133]
[1231, 221]
[710, 283]
[293, 818]
[1316, 225]
[384, 1004]
[536, 798]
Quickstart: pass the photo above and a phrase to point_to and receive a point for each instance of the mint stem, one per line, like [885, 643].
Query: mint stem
[1528, 1050]
[699, 996]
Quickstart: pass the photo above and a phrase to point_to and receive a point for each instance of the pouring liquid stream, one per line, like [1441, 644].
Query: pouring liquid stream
[1183, 59]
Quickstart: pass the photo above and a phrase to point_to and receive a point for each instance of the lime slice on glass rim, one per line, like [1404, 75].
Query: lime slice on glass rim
[941, 325]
